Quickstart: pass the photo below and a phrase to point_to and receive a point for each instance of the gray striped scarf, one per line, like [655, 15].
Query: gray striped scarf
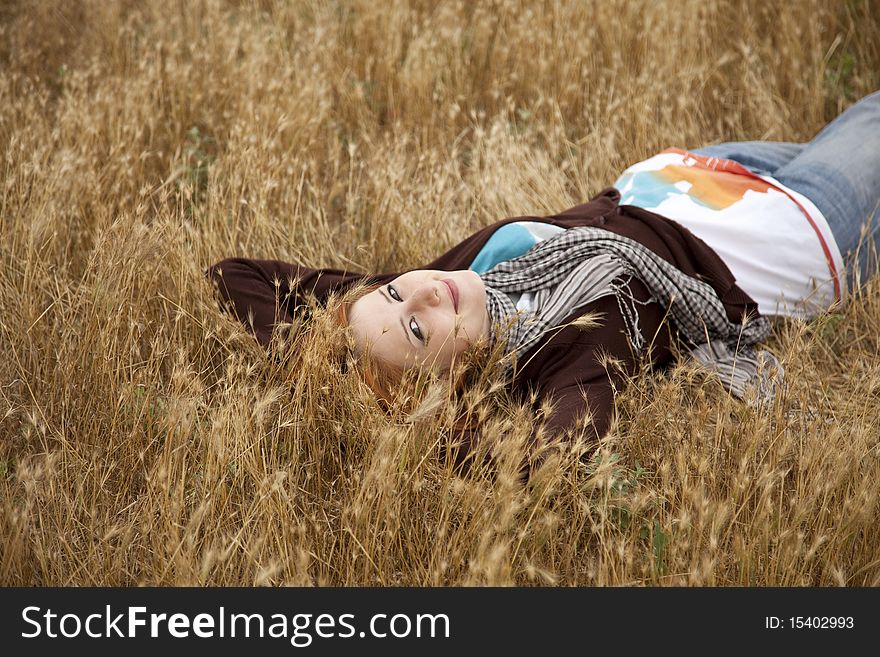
[580, 265]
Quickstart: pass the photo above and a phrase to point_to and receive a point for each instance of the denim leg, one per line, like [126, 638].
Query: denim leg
[761, 157]
[839, 171]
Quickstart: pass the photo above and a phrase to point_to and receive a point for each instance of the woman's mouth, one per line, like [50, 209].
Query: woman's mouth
[453, 292]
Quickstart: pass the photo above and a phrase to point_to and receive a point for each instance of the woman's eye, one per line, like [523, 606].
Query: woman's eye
[413, 326]
[415, 329]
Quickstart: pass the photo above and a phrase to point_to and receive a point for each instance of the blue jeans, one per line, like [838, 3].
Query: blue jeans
[839, 171]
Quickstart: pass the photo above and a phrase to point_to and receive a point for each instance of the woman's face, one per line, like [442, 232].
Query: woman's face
[424, 318]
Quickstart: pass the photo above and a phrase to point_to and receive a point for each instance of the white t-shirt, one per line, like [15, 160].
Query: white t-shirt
[774, 240]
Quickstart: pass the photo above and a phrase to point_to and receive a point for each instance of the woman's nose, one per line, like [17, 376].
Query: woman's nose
[427, 295]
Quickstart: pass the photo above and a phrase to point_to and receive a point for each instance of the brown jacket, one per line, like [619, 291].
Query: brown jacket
[565, 367]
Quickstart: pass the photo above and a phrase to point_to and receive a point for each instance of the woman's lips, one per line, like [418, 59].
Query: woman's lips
[453, 292]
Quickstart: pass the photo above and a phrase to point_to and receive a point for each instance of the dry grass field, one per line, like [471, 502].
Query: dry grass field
[146, 438]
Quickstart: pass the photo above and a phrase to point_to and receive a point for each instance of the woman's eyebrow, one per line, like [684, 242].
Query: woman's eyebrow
[402, 325]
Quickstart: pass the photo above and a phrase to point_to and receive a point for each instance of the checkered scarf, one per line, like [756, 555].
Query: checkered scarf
[580, 265]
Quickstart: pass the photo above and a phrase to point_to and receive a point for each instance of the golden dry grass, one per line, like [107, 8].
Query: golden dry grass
[146, 439]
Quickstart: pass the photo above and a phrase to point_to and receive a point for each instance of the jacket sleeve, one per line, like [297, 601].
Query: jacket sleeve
[263, 293]
[575, 371]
